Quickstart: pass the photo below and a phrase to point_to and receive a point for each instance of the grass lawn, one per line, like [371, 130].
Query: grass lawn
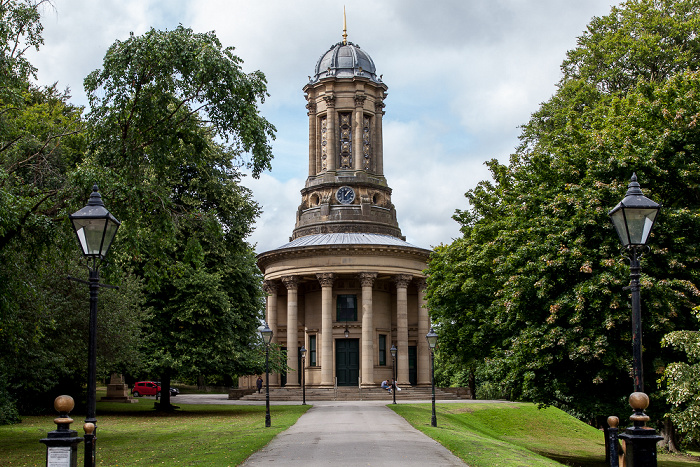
[515, 434]
[133, 434]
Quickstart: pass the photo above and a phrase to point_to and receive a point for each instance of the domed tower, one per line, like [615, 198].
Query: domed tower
[346, 190]
[347, 286]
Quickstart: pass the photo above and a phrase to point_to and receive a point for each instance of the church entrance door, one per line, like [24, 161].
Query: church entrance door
[347, 361]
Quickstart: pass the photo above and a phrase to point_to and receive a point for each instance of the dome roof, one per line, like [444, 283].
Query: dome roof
[345, 60]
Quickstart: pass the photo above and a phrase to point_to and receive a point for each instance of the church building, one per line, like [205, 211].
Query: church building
[347, 287]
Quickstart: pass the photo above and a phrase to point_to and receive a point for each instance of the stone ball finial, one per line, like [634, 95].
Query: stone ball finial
[63, 404]
[613, 421]
[89, 428]
[639, 401]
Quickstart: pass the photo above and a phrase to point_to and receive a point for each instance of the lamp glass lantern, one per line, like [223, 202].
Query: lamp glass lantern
[634, 216]
[346, 333]
[432, 338]
[266, 334]
[393, 351]
[95, 227]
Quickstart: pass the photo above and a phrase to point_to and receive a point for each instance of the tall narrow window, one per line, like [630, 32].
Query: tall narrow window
[382, 349]
[346, 308]
[312, 350]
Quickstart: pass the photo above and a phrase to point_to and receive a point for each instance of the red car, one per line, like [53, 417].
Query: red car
[146, 388]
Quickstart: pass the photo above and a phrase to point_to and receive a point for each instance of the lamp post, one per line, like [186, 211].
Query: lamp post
[95, 228]
[346, 333]
[303, 375]
[432, 339]
[633, 219]
[266, 334]
[393, 383]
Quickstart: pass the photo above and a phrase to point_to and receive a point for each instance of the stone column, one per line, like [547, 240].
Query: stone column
[402, 281]
[423, 328]
[357, 156]
[292, 284]
[367, 279]
[313, 151]
[326, 355]
[270, 287]
[377, 138]
[332, 131]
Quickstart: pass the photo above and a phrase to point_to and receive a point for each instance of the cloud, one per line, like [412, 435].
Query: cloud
[462, 76]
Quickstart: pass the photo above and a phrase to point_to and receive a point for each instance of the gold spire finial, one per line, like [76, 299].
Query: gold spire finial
[345, 28]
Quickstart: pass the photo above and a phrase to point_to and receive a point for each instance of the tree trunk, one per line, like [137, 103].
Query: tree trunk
[164, 405]
[669, 433]
[472, 384]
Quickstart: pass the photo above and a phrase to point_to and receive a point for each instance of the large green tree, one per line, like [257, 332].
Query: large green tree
[534, 289]
[43, 317]
[173, 119]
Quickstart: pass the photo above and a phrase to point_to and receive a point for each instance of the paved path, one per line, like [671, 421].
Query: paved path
[354, 433]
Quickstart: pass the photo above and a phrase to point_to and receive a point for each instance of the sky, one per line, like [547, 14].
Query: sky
[463, 75]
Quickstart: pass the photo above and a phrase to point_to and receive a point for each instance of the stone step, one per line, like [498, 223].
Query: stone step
[349, 394]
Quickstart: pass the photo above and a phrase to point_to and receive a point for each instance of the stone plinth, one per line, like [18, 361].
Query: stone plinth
[117, 391]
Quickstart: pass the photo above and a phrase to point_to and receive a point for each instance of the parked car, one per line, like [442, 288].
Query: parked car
[173, 391]
[146, 388]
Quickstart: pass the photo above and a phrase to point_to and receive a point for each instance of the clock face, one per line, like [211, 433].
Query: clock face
[345, 195]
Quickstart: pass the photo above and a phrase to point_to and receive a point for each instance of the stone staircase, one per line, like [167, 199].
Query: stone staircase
[350, 393]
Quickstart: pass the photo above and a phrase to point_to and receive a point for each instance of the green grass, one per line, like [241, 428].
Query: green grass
[133, 434]
[515, 434]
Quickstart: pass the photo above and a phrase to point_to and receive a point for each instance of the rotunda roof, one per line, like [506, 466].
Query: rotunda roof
[345, 60]
[340, 239]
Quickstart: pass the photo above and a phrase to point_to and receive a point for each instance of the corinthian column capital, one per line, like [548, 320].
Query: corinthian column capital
[367, 278]
[402, 280]
[326, 278]
[291, 282]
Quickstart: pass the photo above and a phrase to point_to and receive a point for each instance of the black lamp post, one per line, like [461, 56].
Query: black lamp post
[303, 375]
[95, 228]
[266, 334]
[633, 219]
[393, 383]
[432, 339]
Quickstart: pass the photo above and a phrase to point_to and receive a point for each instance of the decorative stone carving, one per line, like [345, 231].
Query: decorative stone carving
[359, 100]
[366, 144]
[345, 155]
[330, 100]
[421, 283]
[311, 106]
[324, 143]
[291, 282]
[402, 280]
[270, 287]
[325, 278]
[367, 278]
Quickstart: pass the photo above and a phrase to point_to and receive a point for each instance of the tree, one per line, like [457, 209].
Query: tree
[172, 118]
[683, 382]
[43, 318]
[534, 288]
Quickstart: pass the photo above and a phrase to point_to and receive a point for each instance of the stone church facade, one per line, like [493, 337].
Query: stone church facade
[347, 286]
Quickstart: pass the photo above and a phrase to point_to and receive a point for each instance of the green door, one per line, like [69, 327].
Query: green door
[412, 360]
[347, 361]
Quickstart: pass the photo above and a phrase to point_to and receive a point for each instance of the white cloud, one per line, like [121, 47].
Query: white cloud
[462, 76]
